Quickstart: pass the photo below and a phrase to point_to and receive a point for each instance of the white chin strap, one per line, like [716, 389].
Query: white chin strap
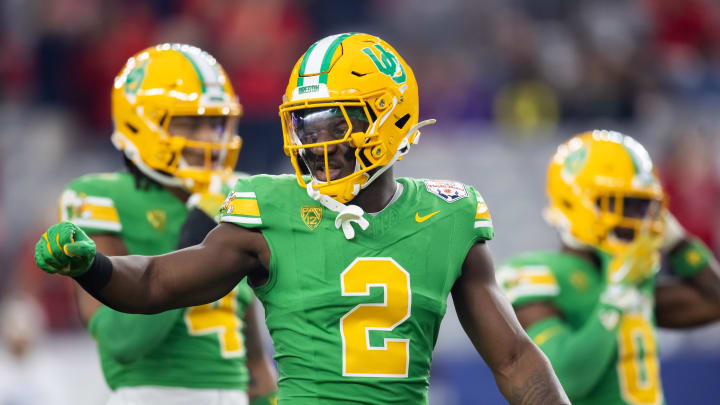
[347, 214]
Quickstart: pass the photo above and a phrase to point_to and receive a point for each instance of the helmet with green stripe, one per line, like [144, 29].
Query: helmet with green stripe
[603, 191]
[161, 85]
[359, 78]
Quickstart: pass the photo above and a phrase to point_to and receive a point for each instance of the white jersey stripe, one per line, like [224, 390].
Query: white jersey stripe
[97, 224]
[240, 220]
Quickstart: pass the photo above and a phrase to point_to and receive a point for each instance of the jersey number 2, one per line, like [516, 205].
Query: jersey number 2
[219, 317]
[359, 358]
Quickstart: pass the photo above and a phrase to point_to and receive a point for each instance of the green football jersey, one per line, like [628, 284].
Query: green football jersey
[573, 285]
[204, 346]
[355, 321]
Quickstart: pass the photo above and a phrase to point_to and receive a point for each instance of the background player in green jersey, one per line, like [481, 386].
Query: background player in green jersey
[174, 111]
[592, 305]
[354, 294]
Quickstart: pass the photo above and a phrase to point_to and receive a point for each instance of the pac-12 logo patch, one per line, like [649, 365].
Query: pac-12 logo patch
[448, 190]
[311, 216]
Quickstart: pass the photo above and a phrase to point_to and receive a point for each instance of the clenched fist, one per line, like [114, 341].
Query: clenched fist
[65, 249]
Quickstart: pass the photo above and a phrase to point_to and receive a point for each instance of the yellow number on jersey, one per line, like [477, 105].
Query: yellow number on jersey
[219, 317]
[359, 358]
[638, 368]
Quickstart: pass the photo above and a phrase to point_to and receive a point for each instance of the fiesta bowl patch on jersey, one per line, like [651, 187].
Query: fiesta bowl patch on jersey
[448, 190]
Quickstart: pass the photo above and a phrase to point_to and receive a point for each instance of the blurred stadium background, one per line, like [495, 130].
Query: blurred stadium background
[507, 80]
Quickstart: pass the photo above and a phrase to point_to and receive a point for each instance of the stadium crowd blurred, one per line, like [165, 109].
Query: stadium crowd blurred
[532, 71]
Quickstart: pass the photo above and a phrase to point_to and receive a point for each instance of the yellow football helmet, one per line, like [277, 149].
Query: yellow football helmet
[166, 81]
[604, 191]
[360, 78]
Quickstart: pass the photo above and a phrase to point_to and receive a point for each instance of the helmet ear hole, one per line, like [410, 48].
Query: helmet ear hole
[402, 121]
[365, 156]
[373, 116]
[131, 127]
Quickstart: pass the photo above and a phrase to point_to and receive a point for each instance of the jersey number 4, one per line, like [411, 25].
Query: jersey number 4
[219, 317]
[359, 357]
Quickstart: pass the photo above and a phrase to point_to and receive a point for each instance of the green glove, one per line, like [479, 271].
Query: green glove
[65, 249]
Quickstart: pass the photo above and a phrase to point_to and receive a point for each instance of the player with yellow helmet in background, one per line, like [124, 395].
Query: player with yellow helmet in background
[175, 113]
[592, 307]
[354, 313]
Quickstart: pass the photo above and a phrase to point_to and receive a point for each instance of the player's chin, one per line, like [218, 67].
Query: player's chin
[332, 174]
[193, 160]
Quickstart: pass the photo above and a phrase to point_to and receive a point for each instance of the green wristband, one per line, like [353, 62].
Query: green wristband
[690, 258]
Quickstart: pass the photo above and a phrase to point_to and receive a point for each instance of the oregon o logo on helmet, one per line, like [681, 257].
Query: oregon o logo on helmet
[388, 63]
[135, 78]
[575, 162]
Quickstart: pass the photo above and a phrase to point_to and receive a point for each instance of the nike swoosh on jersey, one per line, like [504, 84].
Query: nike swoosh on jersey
[418, 218]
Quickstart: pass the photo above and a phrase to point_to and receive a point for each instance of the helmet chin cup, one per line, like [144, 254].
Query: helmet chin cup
[342, 191]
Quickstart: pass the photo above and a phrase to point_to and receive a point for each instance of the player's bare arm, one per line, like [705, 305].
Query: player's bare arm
[691, 301]
[108, 245]
[262, 373]
[196, 275]
[530, 314]
[521, 370]
[149, 284]
[679, 305]
[707, 282]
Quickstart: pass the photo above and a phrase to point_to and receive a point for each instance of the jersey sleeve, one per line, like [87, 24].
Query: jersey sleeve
[89, 207]
[525, 283]
[241, 206]
[482, 223]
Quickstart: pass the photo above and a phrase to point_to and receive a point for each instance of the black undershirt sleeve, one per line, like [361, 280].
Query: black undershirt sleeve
[196, 227]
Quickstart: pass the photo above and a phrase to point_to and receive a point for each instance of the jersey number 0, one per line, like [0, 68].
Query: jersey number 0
[359, 357]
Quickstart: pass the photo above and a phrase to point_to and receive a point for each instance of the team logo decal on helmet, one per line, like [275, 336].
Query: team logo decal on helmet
[574, 163]
[389, 65]
[135, 78]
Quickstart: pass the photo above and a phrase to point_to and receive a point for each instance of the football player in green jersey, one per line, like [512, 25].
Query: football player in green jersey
[354, 267]
[174, 112]
[592, 305]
